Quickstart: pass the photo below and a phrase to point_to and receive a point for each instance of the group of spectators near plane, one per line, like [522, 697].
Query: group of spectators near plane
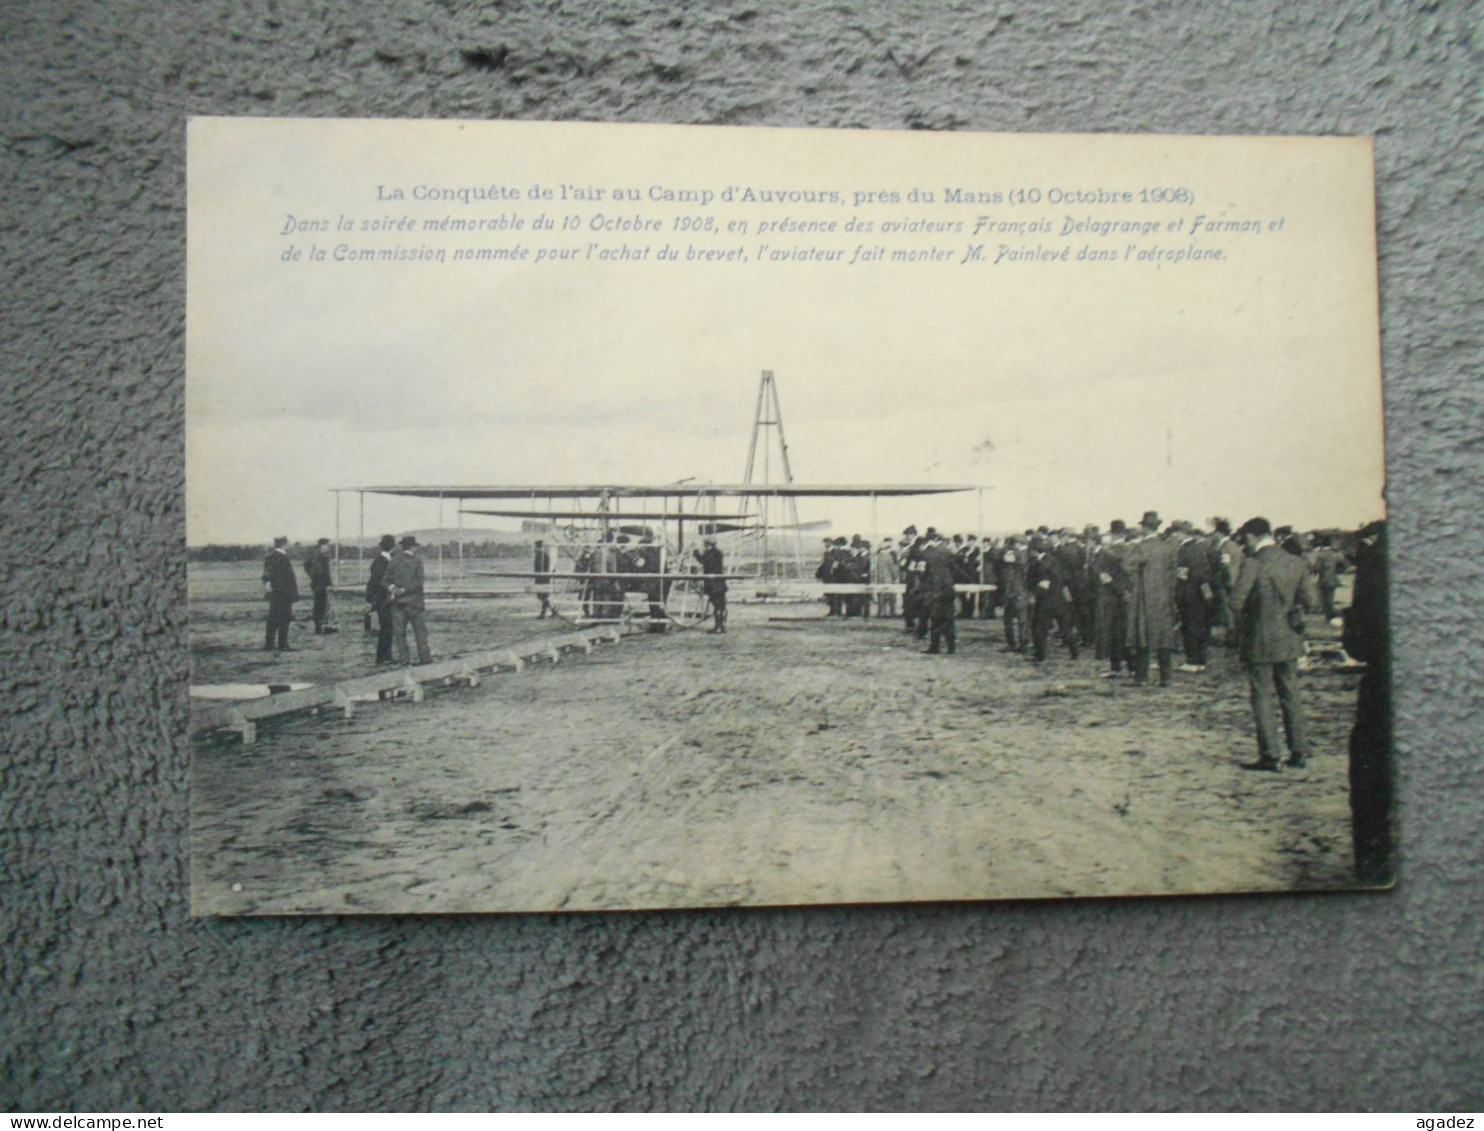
[1133, 594]
[1136, 595]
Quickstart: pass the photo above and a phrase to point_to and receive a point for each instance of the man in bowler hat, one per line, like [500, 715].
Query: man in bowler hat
[282, 590]
[380, 600]
[404, 583]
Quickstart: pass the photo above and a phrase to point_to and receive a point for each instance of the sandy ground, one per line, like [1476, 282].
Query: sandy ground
[789, 761]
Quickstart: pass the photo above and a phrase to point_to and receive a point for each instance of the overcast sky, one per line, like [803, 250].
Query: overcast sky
[1074, 392]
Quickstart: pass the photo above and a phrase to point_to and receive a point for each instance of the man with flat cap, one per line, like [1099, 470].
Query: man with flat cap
[404, 583]
[282, 590]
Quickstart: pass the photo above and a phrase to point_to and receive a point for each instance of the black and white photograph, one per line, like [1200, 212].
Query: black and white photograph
[610, 517]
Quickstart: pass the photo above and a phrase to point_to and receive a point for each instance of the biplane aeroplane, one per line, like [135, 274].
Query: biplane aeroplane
[627, 546]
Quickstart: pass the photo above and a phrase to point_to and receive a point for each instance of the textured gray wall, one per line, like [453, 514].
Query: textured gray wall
[114, 999]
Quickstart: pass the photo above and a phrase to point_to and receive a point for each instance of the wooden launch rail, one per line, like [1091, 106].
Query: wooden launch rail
[411, 682]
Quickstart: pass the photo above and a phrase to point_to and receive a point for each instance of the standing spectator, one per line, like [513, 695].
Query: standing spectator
[282, 590]
[404, 583]
[886, 570]
[916, 621]
[1051, 597]
[939, 573]
[1150, 564]
[989, 567]
[380, 600]
[969, 560]
[646, 559]
[317, 566]
[828, 572]
[1269, 600]
[1011, 588]
[855, 569]
[1193, 595]
[1111, 640]
[1084, 585]
[541, 564]
[713, 566]
[586, 563]
[1227, 555]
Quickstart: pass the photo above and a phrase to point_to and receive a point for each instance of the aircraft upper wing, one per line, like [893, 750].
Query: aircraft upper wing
[622, 516]
[667, 491]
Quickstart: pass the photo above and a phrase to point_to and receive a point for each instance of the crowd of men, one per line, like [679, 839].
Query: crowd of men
[1134, 595]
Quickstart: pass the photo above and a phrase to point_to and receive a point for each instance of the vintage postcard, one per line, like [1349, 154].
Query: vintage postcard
[594, 517]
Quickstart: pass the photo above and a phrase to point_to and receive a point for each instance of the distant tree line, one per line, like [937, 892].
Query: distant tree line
[224, 553]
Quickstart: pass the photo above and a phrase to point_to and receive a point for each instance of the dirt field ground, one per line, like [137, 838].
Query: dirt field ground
[790, 761]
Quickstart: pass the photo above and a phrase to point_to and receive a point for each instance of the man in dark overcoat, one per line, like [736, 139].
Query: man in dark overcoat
[855, 569]
[317, 566]
[939, 574]
[1110, 640]
[1226, 563]
[1193, 593]
[282, 590]
[970, 559]
[380, 599]
[828, 572]
[912, 568]
[714, 585]
[1051, 597]
[1150, 563]
[1010, 566]
[541, 566]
